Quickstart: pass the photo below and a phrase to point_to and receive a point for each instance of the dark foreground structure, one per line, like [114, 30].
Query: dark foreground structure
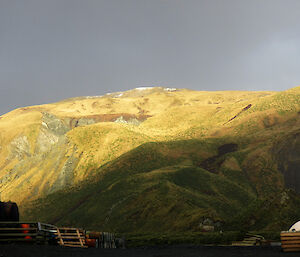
[9, 211]
[16, 250]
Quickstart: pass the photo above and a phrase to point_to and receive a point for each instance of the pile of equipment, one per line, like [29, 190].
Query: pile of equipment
[12, 230]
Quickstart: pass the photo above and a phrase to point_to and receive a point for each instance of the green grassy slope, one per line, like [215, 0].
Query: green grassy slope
[161, 187]
[156, 161]
[163, 193]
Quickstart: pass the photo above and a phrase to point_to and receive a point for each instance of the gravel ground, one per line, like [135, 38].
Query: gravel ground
[168, 251]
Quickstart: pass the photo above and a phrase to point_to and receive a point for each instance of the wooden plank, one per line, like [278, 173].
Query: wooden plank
[74, 232]
[290, 237]
[241, 244]
[290, 234]
[290, 241]
[66, 234]
[16, 222]
[81, 230]
[80, 240]
[17, 229]
[296, 241]
[75, 246]
[59, 236]
[72, 237]
[16, 239]
[72, 242]
[292, 250]
[291, 246]
[18, 234]
[287, 237]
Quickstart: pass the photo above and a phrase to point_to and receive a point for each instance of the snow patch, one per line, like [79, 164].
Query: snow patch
[91, 97]
[143, 88]
[119, 95]
[170, 89]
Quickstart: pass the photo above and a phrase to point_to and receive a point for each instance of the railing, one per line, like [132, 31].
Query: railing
[34, 232]
[42, 233]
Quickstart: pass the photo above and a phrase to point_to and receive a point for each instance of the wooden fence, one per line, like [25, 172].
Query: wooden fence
[42, 233]
[31, 232]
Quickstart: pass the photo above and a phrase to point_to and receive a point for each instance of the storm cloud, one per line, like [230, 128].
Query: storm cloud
[55, 49]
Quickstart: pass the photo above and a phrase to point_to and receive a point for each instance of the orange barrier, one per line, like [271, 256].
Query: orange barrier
[26, 231]
[91, 242]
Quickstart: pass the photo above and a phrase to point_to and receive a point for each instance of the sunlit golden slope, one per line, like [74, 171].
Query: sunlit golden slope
[46, 148]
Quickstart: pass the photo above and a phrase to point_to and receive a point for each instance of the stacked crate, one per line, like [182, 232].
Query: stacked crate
[290, 241]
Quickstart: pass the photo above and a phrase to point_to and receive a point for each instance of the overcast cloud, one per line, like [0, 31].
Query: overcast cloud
[55, 49]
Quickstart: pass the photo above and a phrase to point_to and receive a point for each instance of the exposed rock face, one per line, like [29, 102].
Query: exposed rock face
[288, 155]
[50, 155]
[132, 121]
[19, 148]
[115, 117]
[66, 174]
[54, 124]
[51, 139]
[148, 174]
[85, 121]
[51, 131]
[45, 140]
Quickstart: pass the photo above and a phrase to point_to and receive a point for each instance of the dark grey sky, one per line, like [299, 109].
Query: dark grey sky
[56, 49]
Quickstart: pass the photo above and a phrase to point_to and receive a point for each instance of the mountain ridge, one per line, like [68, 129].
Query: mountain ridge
[82, 149]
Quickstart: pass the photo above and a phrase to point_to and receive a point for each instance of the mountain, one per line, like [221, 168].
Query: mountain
[156, 159]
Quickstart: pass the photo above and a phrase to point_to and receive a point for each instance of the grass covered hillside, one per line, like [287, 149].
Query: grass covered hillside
[156, 160]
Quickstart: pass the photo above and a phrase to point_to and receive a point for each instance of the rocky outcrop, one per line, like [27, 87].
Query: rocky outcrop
[132, 121]
[38, 157]
[54, 124]
[19, 148]
[51, 131]
[66, 174]
[115, 117]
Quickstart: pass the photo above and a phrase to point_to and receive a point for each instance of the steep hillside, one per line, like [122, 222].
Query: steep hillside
[156, 159]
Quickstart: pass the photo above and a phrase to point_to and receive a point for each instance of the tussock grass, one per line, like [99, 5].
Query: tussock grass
[150, 174]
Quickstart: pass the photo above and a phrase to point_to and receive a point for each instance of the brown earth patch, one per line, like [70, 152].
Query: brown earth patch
[30, 109]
